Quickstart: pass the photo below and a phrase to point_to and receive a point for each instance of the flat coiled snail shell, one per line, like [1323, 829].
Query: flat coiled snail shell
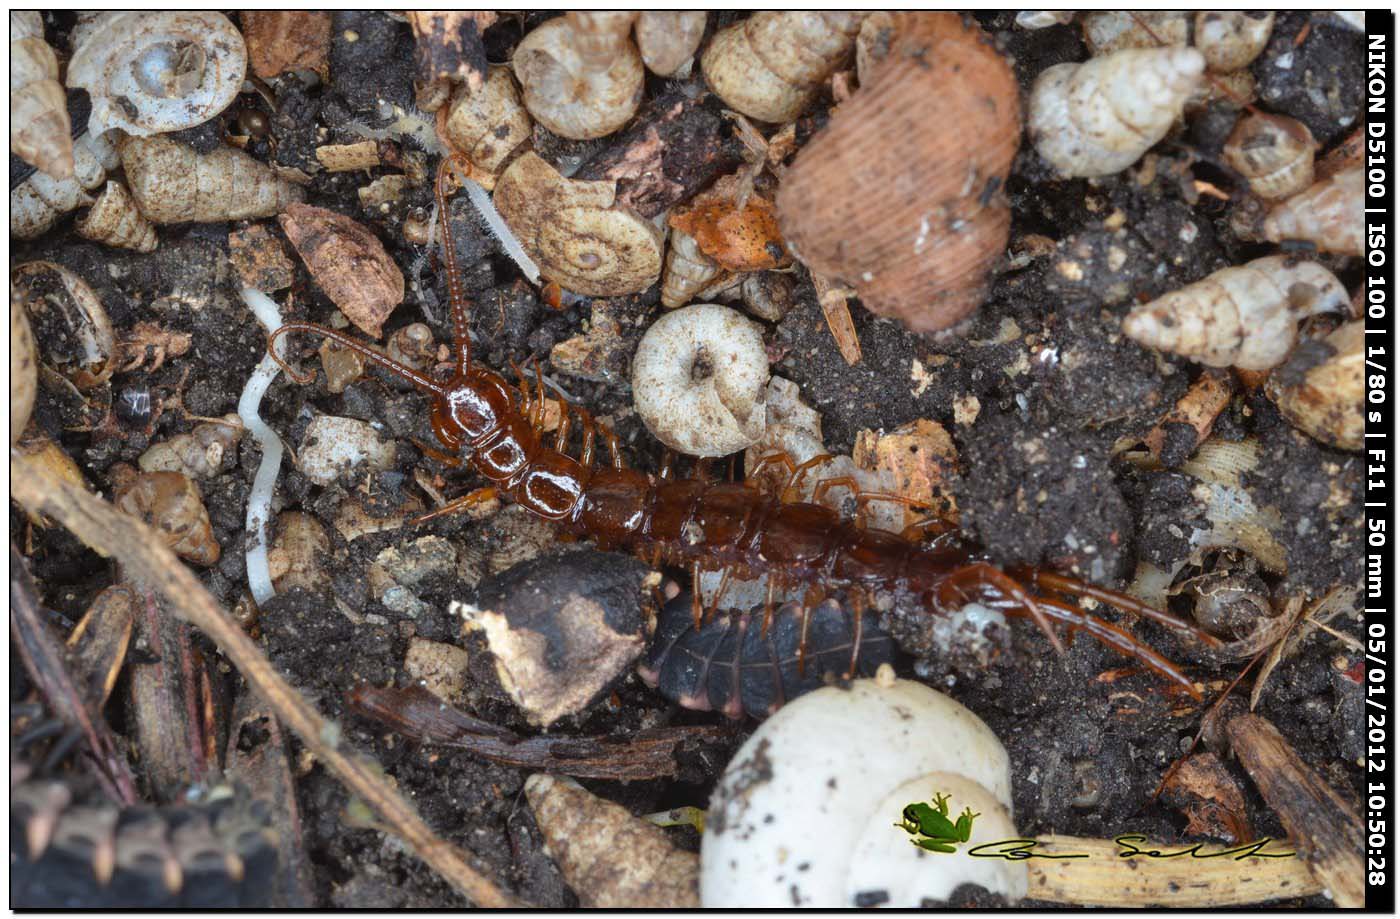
[173, 184]
[39, 132]
[575, 232]
[116, 221]
[581, 74]
[891, 200]
[1273, 152]
[153, 73]
[1330, 214]
[770, 66]
[1100, 117]
[1246, 316]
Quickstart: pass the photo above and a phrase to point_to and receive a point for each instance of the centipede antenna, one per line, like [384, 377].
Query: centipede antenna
[427, 384]
[457, 300]
[1113, 598]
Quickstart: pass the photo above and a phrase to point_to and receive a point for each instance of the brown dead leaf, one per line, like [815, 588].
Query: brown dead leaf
[348, 262]
[922, 458]
[282, 41]
[746, 239]
[260, 259]
[1205, 791]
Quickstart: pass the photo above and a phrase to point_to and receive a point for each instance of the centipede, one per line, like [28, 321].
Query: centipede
[486, 424]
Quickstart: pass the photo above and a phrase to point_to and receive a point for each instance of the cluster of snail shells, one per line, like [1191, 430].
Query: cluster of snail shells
[37, 203]
[581, 74]
[770, 65]
[1100, 117]
[574, 231]
[914, 225]
[173, 184]
[1246, 316]
[39, 132]
[486, 125]
[155, 73]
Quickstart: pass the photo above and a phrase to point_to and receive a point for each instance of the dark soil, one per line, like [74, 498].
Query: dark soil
[1042, 383]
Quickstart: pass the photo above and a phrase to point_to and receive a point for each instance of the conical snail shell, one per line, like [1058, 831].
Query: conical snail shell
[687, 272]
[39, 132]
[153, 73]
[173, 184]
[1330, 214]
[1273, 152]
[770, 65]
[1325, 400]
[39, 201]
[892, 200]
[1099, 117]
[115, 220]
[1245, 317]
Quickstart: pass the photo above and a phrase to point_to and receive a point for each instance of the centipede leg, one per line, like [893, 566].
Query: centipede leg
[984, 575]
[857, 632]
[697, 609]
[469, 500]
[561, 434]
[1113, 637]
[768, 603]
[719, 594]
[1119, 601]
[612, 444]
[447, 459]
[668, 460]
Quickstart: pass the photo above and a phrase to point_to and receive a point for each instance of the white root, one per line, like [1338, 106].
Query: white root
[265, 480]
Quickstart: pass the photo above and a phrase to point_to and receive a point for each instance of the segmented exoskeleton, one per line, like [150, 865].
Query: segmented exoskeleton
[731, 527]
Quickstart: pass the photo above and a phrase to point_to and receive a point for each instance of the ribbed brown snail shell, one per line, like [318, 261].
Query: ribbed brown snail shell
[900, 195]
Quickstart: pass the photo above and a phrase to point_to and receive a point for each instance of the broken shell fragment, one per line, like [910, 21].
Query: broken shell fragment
[1321, 388]
[1100, 117]
[1330, 214]
[699, 378]
[575, 233]
[847, 205]
[770, 66]
[1273, 152]
[299, 552]
[38, 202]
[1246, 316]
[563, 629]
[154, 73]
[198, 454]
[667, 40]
[790, 797]
[69, 321]
[173, 184]
[1230, 40]
[39, 131]
[486, 125]
[24, 368]
[610, 858]
[170, 502]
[333, 446]
[581, 74]
[115, 220]
[348, 262]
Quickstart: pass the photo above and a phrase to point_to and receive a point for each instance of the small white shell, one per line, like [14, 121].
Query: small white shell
[487, 125]
[1245, 317]
[1273, 152]
[1231, 39]
[1099, 117]
[333, 446]
[687, 272]
[38, 202]
[152, 73]
[770, 65]
[1109, 31]
[1331, 214]
[579, 83]
[699, 378]
[39, 132]
[173, 184]
[116, 221]
[806, 812]
[667, 40]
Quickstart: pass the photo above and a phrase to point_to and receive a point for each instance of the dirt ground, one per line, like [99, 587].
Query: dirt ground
[1040, 482]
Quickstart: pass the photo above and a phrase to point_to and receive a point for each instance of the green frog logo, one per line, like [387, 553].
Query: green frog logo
[932, 827]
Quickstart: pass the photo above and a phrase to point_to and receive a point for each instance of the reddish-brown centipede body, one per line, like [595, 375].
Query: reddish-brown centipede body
[484, 423]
